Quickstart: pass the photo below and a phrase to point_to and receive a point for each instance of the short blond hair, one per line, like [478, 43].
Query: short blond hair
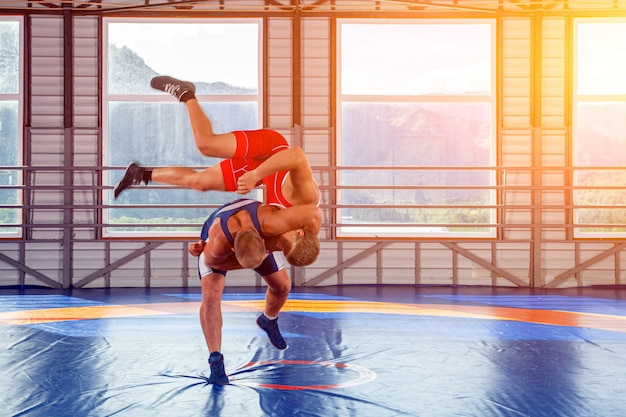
[305, 251]
[249, 248]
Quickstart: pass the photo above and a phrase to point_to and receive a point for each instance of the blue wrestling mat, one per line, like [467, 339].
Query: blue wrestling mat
[364, 351]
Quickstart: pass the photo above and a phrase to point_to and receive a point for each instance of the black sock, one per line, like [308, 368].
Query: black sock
[187, 95]
[147, 175]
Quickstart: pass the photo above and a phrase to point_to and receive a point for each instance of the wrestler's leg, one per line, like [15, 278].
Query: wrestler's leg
[222, 145]
[211, 310]
[209, 144]
[206, 180]
[279, 286]
[211, 322]
[276, 295]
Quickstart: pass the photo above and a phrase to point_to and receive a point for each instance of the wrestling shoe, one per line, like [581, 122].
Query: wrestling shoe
[171, 85]
[218, 374]
[271, 328]
[132, 176]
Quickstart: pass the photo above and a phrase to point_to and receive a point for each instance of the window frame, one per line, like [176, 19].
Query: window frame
[419, 230]
[109, 232]
[587, 98]
[18, 231]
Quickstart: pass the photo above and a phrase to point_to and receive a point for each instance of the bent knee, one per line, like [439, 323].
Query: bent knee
[202, 181]
[282, 288]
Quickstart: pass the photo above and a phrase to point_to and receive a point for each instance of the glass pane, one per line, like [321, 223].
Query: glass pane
[9, 57]
[606, 197]
[414, 58]
[160, 221]
[416, 135]
[9, 132]
[598, 143]
[601, 58]
[446, 59]
[9, 196]
[159, 134]
[221, 58]
[599, 134]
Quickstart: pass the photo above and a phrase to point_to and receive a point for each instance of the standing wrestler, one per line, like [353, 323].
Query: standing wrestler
[252, 157]
[239, 235]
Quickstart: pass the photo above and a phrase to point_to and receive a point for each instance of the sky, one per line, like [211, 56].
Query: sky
[391, 59]
[416, 59]
[601, 59]
[194, 51]
[386, 58]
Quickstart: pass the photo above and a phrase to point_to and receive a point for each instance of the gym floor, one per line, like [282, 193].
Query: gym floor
[353, 351]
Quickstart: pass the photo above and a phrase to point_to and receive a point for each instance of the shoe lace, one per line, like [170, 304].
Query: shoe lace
[172, 88]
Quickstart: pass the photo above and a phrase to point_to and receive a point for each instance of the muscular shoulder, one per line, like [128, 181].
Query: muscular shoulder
[306, 191]
[218, 247]
[266, 211]
[270, 219]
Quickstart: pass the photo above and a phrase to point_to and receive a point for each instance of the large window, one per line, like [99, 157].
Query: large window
[599, 133]
[223, 59]
[416, 127]
[10, 125]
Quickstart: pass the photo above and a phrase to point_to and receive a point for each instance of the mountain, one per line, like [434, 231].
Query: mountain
[129, 74]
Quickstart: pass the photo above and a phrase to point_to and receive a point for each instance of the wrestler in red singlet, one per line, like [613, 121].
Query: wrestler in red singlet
[253, 148]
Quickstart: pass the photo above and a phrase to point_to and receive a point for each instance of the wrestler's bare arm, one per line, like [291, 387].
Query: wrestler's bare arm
[196, 248]
[217, 249]
[275, 221]
[217, 255]
[293, 160]
[229, 263]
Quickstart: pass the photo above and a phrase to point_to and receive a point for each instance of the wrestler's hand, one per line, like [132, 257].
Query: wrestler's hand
[247, 182]
[196, 248]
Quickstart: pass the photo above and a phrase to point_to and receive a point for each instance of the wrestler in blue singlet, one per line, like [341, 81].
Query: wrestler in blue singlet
[229, 209]
[274, 262]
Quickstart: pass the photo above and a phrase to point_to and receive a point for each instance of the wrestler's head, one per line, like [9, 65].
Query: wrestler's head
[302, 247]
[249, 248]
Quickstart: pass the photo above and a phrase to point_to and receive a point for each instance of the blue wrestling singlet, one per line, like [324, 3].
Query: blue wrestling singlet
[229, 209]
[273, 262]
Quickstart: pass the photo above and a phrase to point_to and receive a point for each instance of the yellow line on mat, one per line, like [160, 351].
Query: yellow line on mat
[73, 313]
[549, 317]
